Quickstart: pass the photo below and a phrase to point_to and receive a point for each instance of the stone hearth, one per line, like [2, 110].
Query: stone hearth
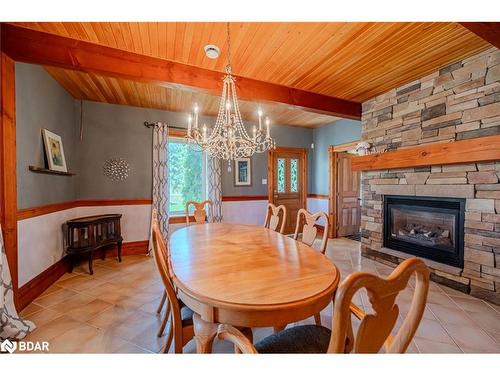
[460, 101]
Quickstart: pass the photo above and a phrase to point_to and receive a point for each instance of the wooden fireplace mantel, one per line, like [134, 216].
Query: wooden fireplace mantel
[457, 152]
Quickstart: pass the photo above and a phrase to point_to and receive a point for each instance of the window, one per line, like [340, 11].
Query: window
[187, 175]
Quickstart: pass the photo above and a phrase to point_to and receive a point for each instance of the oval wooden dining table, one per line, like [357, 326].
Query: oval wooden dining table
[247, 276]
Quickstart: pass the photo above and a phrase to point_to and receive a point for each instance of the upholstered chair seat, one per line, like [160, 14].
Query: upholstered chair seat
[299, 340]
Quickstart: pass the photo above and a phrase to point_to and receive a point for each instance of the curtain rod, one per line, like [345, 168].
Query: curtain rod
[153, 124]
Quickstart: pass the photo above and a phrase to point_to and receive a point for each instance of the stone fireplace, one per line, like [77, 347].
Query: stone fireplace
[460, 101]
[429, 227]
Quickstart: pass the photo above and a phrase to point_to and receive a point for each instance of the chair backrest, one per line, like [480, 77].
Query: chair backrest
[374, 331]
[200, 213]
[273, 217]
[309, 230]
[161, 254]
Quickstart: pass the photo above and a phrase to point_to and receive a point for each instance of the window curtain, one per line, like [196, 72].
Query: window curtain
[160, 178]
[12, 327]
[214, 187]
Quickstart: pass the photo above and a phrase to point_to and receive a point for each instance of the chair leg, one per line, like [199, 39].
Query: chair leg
[162, 302]
[164, 321]
[317, 319]
[166, 347]
[248, 334]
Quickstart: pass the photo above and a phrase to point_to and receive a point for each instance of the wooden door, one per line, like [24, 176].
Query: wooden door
[348, 210]
[288, 181]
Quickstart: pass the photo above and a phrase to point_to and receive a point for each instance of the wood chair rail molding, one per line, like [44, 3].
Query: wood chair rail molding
[457, 152]
[37, 47]
[26, 213]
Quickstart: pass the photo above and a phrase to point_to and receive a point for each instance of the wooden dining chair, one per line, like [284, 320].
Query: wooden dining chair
[163, 300]
[309, 229]
[200, 213]
[374, 331]
[309, 234]
[273, 217]
[181, 323]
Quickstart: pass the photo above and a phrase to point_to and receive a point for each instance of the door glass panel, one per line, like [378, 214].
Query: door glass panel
[281, 175]
[293, 175]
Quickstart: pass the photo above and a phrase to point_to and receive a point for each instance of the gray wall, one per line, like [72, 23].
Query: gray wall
[287, 136]
[341, 131]
[42, 103]
[109, 131]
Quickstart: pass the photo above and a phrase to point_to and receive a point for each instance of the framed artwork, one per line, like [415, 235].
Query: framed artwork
[242, 172]
[54, 151]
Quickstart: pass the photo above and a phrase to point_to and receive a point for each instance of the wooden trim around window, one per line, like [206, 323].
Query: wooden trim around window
[177, 133]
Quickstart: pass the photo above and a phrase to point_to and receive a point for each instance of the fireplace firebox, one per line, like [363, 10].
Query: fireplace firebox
[428, 227]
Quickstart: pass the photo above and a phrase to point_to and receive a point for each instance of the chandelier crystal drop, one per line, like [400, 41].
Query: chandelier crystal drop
[228, 139]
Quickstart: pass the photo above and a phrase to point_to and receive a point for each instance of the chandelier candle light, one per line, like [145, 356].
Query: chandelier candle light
[228, 139]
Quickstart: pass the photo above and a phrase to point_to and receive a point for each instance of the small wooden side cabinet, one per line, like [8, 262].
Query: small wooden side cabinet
[87, 234]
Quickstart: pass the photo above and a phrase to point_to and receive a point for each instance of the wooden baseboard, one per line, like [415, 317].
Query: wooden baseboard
[36, 286]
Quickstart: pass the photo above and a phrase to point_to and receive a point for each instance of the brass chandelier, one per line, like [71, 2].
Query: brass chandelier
[228, 139]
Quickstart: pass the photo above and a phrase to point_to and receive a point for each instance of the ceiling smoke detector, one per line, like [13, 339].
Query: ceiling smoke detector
[212, 51]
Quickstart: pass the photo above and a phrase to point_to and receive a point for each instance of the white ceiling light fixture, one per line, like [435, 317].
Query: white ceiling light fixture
[228, 139]
[212, 51]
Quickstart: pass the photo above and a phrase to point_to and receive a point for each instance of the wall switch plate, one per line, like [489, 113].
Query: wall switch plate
[264, 181]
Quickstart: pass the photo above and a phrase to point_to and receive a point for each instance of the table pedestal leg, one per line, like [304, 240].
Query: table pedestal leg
[204, 333]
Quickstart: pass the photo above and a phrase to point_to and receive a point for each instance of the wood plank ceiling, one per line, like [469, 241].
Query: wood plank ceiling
[120, 91]
[354, 61]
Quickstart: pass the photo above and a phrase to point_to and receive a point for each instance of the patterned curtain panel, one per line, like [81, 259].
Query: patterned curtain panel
[214, 187]
[160, 177]
[12, 327]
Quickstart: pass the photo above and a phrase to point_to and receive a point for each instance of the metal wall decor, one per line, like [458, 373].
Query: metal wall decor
[116, 169]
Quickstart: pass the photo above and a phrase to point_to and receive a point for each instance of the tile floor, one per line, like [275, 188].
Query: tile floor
[114, 311]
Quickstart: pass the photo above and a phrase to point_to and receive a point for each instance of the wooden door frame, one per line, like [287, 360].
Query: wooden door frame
[332, 183]
[8, 185]
[270, 169]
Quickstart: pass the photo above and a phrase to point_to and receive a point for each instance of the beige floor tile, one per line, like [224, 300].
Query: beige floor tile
[433, 331]
[74, 302]
[451, 315]
[55, 298]
[43, 316]
[53, 328]
[472, 340]
[88, 311]
[114, 311]
[30, 309]
[429, 346]
[111, 316]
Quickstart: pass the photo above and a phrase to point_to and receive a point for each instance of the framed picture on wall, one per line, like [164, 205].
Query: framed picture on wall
[242, 172]
[54, 151]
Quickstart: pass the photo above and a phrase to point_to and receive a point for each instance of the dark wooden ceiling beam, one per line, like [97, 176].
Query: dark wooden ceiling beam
[489, 31]
[46, 49]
